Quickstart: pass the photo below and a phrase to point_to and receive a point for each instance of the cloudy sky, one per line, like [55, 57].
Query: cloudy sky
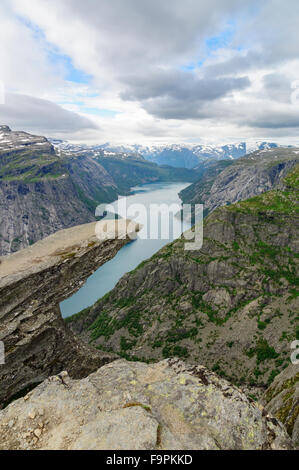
[151, 71]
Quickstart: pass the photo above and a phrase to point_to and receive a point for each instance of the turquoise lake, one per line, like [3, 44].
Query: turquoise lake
[131, 255]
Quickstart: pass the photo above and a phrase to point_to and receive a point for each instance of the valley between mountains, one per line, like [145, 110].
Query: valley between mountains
[222, 306]
[43, 190]
[189, 344]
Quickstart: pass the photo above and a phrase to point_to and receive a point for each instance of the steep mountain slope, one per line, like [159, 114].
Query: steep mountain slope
[93, 183]
[42, 192]
[132, 171]
[37, 195]
[197, 192]
[230, 306]
[228, 182]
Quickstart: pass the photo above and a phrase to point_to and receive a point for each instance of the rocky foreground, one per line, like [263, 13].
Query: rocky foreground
[131, 406]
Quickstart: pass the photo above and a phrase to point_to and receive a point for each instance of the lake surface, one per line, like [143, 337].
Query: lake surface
[131, 255]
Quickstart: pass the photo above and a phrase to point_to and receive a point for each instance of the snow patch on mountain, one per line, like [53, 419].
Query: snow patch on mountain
[176, 155]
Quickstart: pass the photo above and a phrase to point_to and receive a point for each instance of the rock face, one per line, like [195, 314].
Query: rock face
[92, 182]
[229, 306]
[229, 182]
[134, 406]
[282, 400]
[32, 211]
[42, 192]
[32, 284]
[198, 191]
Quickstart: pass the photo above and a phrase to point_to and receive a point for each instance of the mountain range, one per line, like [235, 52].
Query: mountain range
[176, 155]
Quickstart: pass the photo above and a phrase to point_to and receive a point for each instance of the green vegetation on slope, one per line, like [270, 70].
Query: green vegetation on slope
[284, 200]
[31, 166]
[225, 183]
[231, 306]
[130, 172]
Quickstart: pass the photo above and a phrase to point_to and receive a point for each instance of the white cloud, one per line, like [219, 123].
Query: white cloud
[27, 113]
[134, 53]
[24, 64]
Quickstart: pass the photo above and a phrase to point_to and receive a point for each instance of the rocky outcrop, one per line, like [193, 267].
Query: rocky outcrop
[134, 406]
[226, 183]
[196, 192]
[32, 284]
[282, 400]
[229, 306]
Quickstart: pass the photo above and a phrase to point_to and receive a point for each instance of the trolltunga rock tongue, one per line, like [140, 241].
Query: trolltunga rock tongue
[33, 282]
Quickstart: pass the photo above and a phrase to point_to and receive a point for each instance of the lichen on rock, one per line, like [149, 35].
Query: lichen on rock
[135, 406]
[282, 400]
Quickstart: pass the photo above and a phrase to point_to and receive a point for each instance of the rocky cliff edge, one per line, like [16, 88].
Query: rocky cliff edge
[32, 284]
